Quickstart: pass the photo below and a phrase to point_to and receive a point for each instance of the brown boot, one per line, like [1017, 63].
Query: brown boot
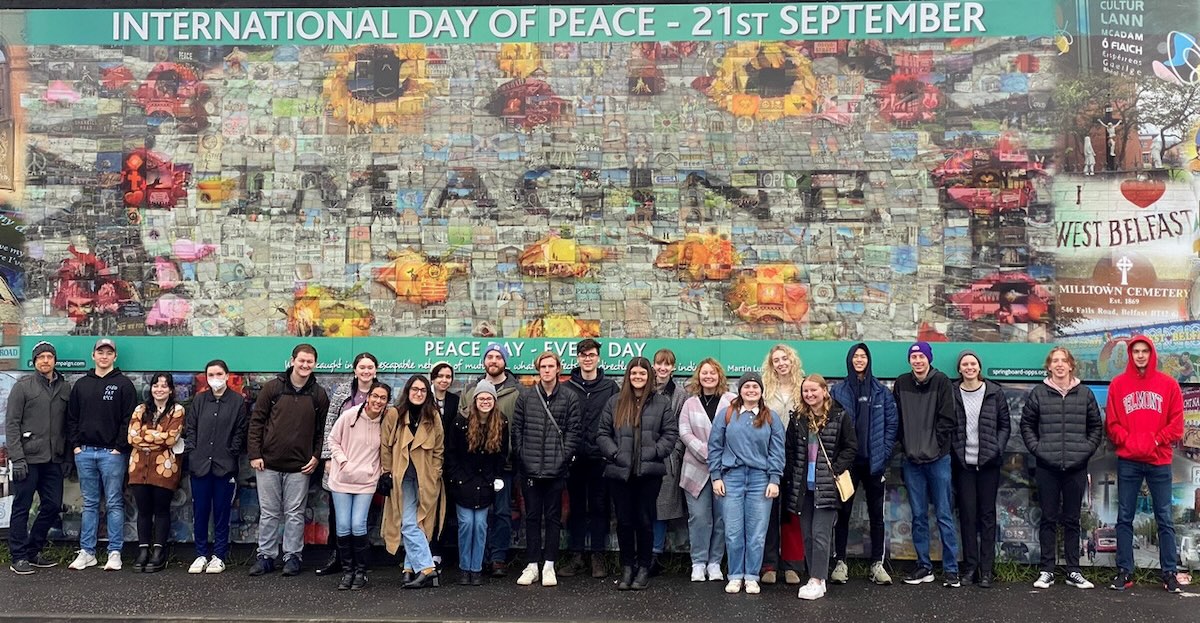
[599, 567]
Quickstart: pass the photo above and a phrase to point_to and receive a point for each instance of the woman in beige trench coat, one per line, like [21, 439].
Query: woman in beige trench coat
[412, 450]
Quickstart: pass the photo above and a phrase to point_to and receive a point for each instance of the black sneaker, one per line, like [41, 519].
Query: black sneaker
[262, 565]
[951, 580]
[1121, 581]
[42, 562]
[920, 575]
[291, 566]
[22, 567]
[1171, 583]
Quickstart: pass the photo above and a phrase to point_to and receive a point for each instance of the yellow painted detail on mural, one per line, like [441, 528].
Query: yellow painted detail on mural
[374, 96]
[560, 325]
[320, 311]
[416, 279]
[769, 293]
[553, 256]
[519, 60]
[746, 71]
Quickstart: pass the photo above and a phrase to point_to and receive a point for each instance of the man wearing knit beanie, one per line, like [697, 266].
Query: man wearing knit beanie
[925, 401]
[37, 448]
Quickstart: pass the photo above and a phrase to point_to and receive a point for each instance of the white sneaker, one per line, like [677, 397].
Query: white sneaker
[734, 586]
[548, 576]
[714, 572]
[1077, 580]
[1045, 580]
[698, 572]
[841, 573]
[815, 589]
[114, 562]
[82, 561]
[752, 587]
[529, 575]
[216, 565]
[198, 565]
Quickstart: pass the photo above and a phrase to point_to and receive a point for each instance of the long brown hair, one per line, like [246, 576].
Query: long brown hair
[429, 411]
[479, 422]
[817, 419]
[629, 404]
[764, 412]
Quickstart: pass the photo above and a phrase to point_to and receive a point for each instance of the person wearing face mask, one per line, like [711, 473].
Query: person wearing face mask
[154, 470]
[871, 408]
[638, 432]
[746, 460]
[214, 439]
[821, 444]
[979, 440]
[1061, 427]
[413, 451]
[706, 527]
[670, 497]
[354, 472]
[782, 374]
[352, 393]
[476, 449]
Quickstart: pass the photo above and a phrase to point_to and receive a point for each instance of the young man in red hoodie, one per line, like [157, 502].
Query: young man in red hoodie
[1144, 420]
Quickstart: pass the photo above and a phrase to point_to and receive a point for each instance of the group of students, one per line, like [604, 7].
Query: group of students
[768, 472]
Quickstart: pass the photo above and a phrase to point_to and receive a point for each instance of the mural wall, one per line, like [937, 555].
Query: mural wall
[966, 187]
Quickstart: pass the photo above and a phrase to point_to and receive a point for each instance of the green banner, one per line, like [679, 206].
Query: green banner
[697, 22]
[404, 355]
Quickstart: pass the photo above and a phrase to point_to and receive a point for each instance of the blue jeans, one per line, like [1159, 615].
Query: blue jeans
[416, 545]
[500, 521]
[472, 536]
[747, 510]
[350, 512]
[706, 527]
[212, 495]
[1130, 475]
[930, 482]
[101, 472]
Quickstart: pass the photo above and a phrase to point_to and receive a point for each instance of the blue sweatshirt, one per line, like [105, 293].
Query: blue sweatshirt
[739, 443]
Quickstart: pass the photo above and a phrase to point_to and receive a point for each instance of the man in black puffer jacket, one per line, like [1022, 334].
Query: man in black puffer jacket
[585, 487]
[545, 436]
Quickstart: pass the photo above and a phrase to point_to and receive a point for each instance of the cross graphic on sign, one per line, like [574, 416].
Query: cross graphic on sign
[1124, 264]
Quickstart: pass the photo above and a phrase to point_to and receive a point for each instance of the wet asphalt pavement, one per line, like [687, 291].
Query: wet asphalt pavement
[174, 595]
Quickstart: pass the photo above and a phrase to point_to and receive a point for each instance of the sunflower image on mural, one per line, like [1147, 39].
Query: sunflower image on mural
[765, 80]
[554, 256]
[318, 311]
[379, 85]
[417, 279]
[561, 326]
[769, 293]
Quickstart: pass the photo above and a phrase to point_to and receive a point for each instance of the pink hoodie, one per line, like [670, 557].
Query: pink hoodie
[354, 453]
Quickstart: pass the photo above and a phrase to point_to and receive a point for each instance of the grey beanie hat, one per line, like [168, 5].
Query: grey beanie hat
[749, 377]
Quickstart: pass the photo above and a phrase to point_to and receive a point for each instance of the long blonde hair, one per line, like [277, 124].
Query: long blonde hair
[816, 418]
[772, 384]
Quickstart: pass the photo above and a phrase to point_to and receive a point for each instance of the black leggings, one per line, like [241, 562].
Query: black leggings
[153, 513]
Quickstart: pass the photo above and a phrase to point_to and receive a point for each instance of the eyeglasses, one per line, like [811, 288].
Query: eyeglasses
[588, 355]
[418, 390]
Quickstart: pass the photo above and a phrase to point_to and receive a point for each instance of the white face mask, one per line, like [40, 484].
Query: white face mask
[216, 384]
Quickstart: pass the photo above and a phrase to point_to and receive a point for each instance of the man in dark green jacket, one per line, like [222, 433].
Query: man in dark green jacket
[37, 447]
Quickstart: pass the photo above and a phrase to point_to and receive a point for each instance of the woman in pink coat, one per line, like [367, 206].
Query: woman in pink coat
[709, 395]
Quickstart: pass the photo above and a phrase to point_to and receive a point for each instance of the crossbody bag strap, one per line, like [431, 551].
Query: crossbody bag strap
[550, 416]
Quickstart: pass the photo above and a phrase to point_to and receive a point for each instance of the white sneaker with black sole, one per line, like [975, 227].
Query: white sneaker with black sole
[1045, 580]
[1077, 580]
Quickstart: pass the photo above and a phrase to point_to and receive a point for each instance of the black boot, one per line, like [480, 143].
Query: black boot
[476, 578]
[642, 580]
[347, 580]
[626, 579]
[425, 580]
[362, 554]
[143, 557]
[334, 564]
[656, 566]
[158, 559]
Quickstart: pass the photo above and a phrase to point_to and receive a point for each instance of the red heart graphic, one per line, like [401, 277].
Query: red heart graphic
[1142, 193]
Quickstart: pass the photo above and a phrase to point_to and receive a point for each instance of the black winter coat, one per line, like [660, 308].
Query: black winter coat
[593, 395]
[543, 446]
[659, 430]
[995, 425]
[841, 444]
[1063, 432]
[469, 475]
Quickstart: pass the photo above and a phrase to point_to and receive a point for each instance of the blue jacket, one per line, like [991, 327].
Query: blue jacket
[884, 421]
